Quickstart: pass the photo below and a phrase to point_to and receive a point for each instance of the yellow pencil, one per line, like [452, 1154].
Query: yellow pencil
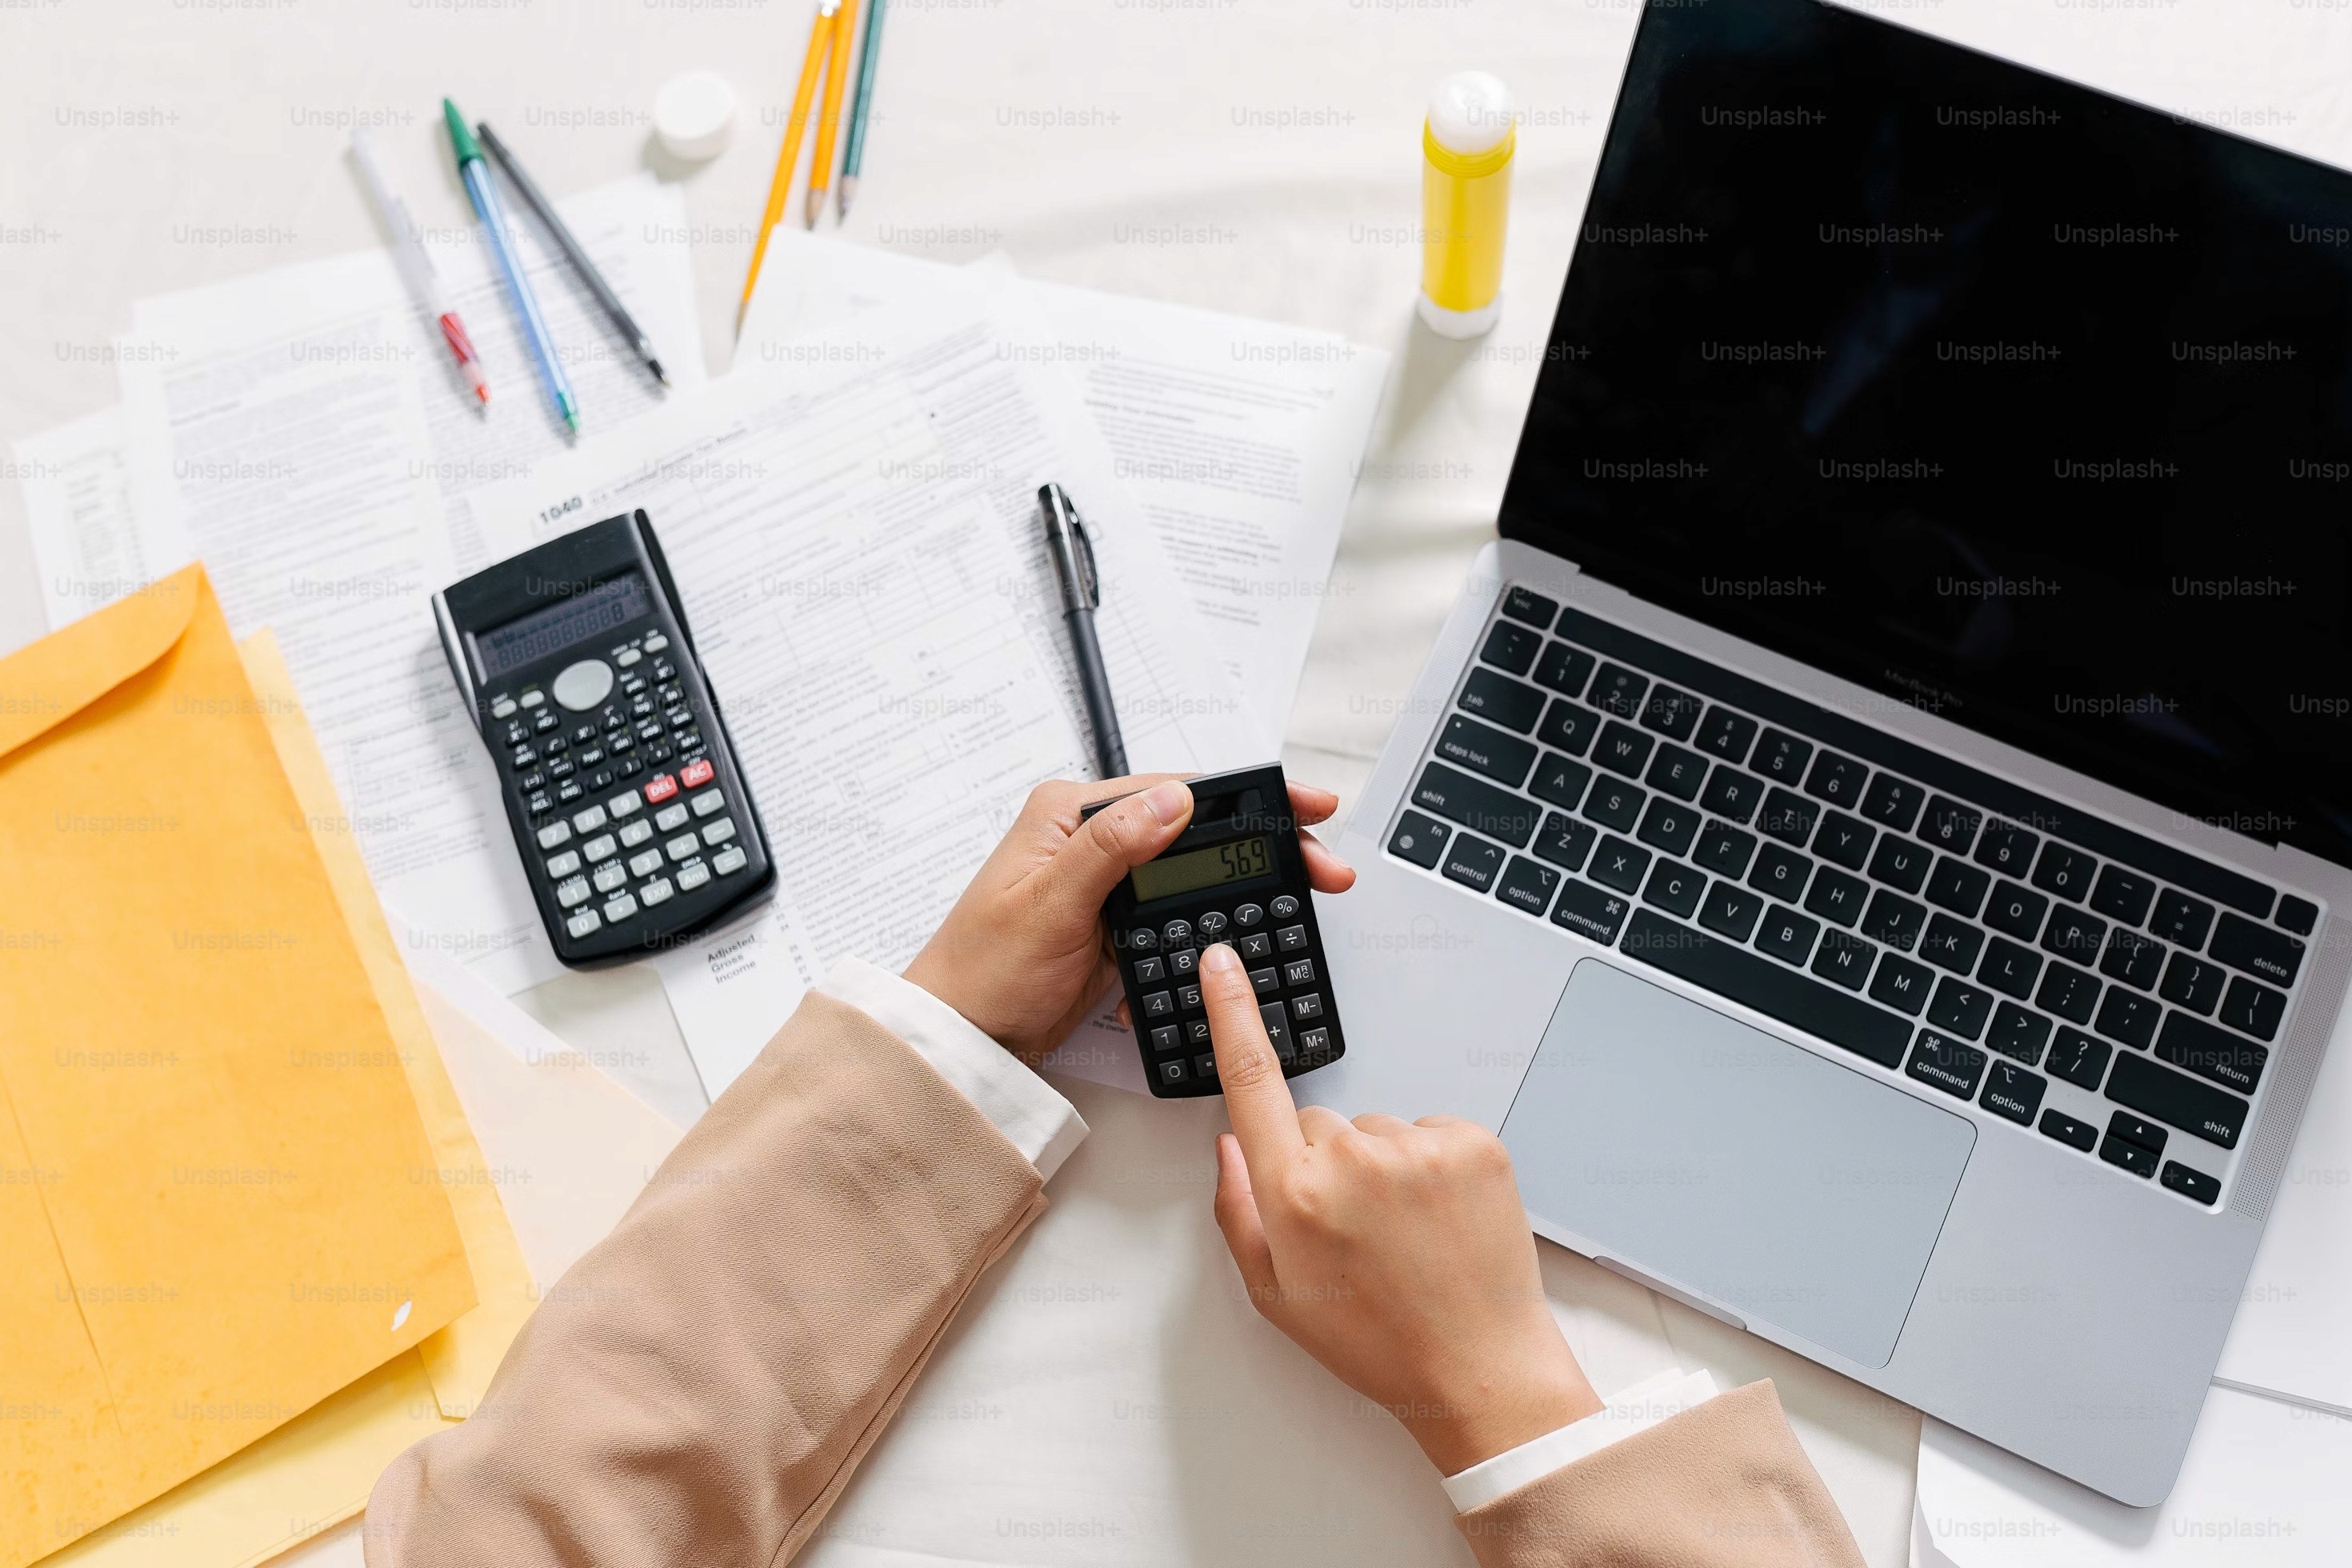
[835, 77]
[819, 48]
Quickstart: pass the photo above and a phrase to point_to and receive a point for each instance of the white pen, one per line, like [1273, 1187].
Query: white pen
[415, 264]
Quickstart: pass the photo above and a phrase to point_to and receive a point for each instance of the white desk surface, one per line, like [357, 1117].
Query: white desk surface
[1261, 159]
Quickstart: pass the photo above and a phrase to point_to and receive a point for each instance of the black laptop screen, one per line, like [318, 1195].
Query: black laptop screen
[2005, 398]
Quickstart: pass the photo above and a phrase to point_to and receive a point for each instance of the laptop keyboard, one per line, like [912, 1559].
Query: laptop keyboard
[1949, 926]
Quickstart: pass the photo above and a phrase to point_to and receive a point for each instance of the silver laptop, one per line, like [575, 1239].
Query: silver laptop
[1873, 833]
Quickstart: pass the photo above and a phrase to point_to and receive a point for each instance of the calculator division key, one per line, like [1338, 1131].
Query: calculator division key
[1291, 939]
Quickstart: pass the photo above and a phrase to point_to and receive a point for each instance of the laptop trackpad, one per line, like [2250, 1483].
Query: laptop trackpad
[1784, 1185]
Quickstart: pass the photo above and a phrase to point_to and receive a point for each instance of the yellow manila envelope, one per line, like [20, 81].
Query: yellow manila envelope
[217, 1201]
[316, 1471]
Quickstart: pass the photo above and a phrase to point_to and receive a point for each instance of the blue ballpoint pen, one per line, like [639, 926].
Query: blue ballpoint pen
[477, 175]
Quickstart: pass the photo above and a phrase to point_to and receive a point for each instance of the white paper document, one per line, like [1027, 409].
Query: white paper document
[1240, 438]
[855, 534]
[306, 435]
[2264, 1482]
[75, 481]
[2293, 1335]
[573, 1147]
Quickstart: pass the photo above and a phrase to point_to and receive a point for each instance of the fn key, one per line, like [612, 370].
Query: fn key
[1278, 1029]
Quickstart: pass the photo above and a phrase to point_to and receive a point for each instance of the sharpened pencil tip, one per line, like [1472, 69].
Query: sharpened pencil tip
[659, 374]
[848, 189]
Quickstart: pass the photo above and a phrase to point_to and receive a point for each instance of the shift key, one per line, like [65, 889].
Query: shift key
[1476, 805]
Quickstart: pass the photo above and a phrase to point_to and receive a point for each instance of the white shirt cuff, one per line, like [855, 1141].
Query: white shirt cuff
[1637, 1409]
[1035, 1118]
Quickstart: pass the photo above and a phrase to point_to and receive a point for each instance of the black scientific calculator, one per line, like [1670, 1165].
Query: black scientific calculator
[620, 783]
[1236, 876]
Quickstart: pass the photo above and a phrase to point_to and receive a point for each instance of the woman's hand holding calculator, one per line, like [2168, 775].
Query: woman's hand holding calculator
[1021, 955]
[1396, 1253]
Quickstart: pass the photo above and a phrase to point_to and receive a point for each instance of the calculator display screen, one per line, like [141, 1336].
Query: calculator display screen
[590, 613]
[1243, 860]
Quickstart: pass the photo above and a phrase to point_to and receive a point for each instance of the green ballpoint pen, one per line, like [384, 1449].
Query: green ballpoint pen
[476, 173]
[853, 151]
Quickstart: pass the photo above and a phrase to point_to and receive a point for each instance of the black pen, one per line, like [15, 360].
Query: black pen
[1074, 565]
[545, 210]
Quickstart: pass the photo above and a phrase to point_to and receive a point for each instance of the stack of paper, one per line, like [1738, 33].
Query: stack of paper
[851, 519]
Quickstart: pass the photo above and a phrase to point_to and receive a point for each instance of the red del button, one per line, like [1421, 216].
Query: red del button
[662, 787]
[697, 774]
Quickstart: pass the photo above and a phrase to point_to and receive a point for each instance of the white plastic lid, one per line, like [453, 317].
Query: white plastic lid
[1470, 113]
[694, 114]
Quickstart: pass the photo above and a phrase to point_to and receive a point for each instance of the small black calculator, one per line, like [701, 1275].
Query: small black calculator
[1235, 876]
[620, 783]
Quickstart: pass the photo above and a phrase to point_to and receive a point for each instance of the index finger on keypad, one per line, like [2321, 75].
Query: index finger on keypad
[1257, 1100]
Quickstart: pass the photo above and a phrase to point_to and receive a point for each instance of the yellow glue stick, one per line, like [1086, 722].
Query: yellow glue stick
[1466, 145]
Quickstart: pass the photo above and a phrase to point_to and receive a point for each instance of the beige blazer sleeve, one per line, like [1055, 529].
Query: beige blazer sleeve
[699, 1388]
[1722, 1485]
